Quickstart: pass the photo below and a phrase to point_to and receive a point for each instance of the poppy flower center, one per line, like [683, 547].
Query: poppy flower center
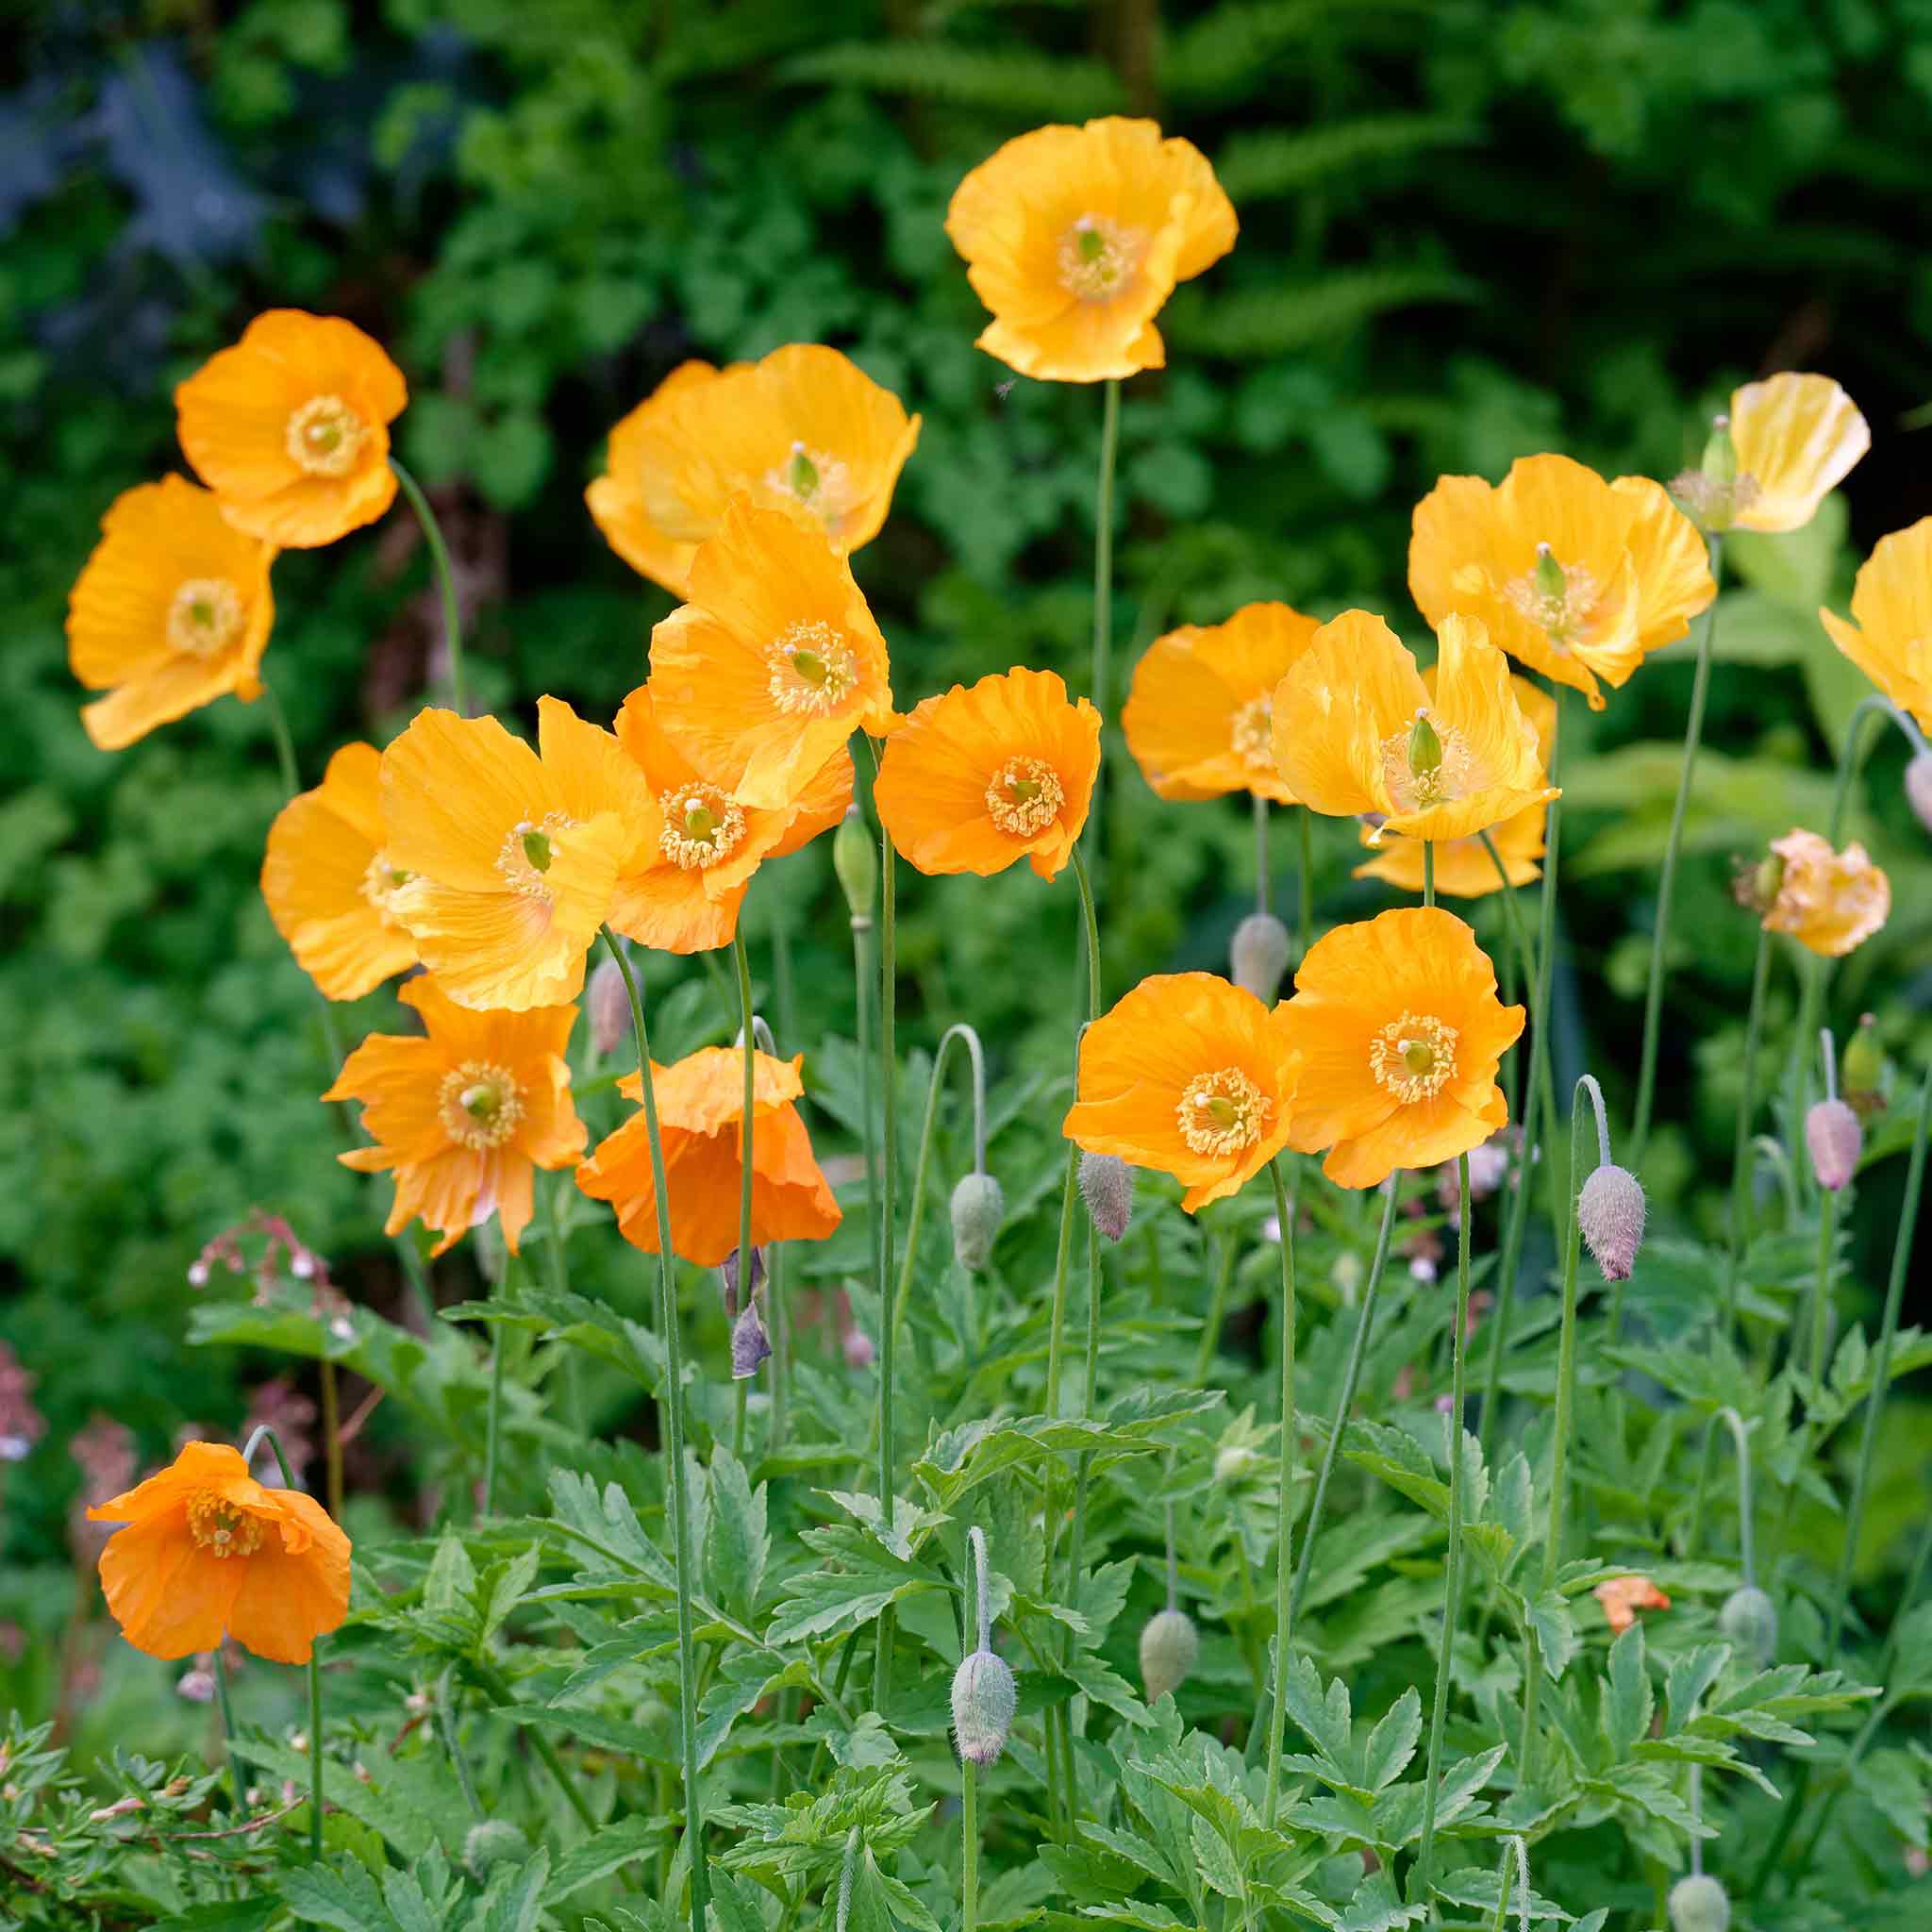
[325, 437]
[702, 825]
[1251, 734]
[1097, 258]
[813, 670]
[1428, 763]
[222, 1527]
[1556, 597]
[1025, 796]
[1414, 1057]
[479, 1104]
[382, 880]
[815, 481]
[1220, 1113]
[204, 616]
[528, 852]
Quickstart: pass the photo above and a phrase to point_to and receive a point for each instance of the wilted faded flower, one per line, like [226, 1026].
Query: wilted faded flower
[1829, 902]
[751, 1347]
[1623, 1596]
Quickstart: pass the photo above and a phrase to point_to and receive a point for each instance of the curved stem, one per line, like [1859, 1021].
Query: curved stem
[1452, 1579]
[1351, 1377]
[1541, 1073]
[915, 1211]
[445, 579]
[1093, 924]
[1305, 883]
[1283, 1517]
[1741, 1146]
[1210, 1333]
[1660, 937]
[889, 1121]
[681, 1552]
[1261, 879]
[284, 742]
[1506, 1277]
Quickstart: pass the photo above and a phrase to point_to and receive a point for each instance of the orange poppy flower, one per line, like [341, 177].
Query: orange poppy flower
[774, 664]
[1464, 869]
[513, 858]
[1356, 730]
[1400, 1033]
[1830, 902]
[172, 611]
[1796, 438]
[1192, 1076]
[805, 430]
[1890, 638]
[1198, 717]
[700, 1116]
[685, 875]
[1623, 1596]
[204, 1551]
[463, 1112]
[977, 779]
[290, 427]
[1074, 237]
[1575, 578]
[330, 885]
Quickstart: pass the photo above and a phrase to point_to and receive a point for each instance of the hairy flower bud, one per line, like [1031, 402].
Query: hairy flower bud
[1749, 1620]
[856, 859]
[492, 1842]
[1919, 788]
[1169, 1646]
[1699, 1903]
[1836, 1139]
[608, 1004]
[984, 1700]
[978, 1206]
[1234, 1462]
[1106, 1186]
[750, 1345]
[1259, 956]
[1610, 1211]
[858, 1349]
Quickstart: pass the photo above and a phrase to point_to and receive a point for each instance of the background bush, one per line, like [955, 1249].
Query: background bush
[1470, 231]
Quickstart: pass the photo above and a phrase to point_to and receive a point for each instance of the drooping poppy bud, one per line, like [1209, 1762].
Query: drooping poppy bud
[1749, 1620]
[984, 1700]
[1610, 1211]
[1700, 1904]
[978, 1208]
[1259, 956]
[608, 1002]
[1106, 1186]
[1919, 788]
[492, 1842]
[1836, 1139]
[858, 1349]
[1169, 1645]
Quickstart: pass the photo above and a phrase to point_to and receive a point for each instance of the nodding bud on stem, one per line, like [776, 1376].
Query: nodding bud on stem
[983, 1697]
[1169, 1646]
[1699, 1903]
[1749, 1620]
[856, 859]
[492, 1842]
[1836, 1139]
[750, 1345]
[858, 1349]
[610, 1008]
[978, 1206]
[1259, 956]
[1610, 1211]
[1919, 788]
[1106, 1186]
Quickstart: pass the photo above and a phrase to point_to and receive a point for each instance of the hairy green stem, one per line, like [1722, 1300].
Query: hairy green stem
[1741, 1144]
[1284, 1514]
[1217, 1308]
[493, 1425]
[915, 1209]
[1305, 883]
[446, 582]
[1102, 677]
[1540, 1071]
[1261, 879]
[1428, 871]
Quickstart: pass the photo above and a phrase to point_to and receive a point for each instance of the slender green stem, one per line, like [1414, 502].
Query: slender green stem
[315, 1749]
[1451, 1578]
[1217, 1308]
[1820, 1294]
[1093, 925]
[331, 1436]
[453, 1745]
[1350, 1379]
[227, 1710]
[445, 579]
[888, 1113]
[915, 1209]
[1541, 1072]
[1741, 1144]
[747, 1272]
[1284, 1514]
[1559, 1448]
[492, 1428]
[682, 1554]
[868, 1130]
[495, 1686]
[1428, 871]
[1261, 879]
[782, 1343]
[1741, 1441]
[284, 742]
[1513, 1233]
[1102, 681]
[1305, 884]
[1661, 936]
[969, 1844]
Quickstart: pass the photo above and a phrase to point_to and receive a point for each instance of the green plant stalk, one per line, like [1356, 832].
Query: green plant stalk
[1217, 1305]
[1452, 1580]
[227, 1710]
[1351, 1377]
[1284, 1516]
[969, 1846]
[284, 740]
[492, 1426]
[782, 1343]
[1305, 884]
[495, 1686]
[1428, 871]
[1513, 1233]
[1559, 1448]
[331, 1435]
[868, 1134]
[1093, 925]
[1820, 1294]
[889, 1121]
[746, 1273]
[681, 1504]
[1741, 1442]
[1660, 937]
[915, 1209]
[447, 1729]
[1102, 678]
[1261, 879]
[1741, 1144]
[1541, 1072]
[446, 582]
[1519, 940]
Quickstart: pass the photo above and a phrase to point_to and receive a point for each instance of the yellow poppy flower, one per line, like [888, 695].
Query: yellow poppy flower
[1464, 869]
[774, 664]
[1400, 1032]
[1356, 731]
[1074, 237]
[172, 611]
[1796, 438]
[329, 884]
[513, 858]
[1198, 715]
[290, 427]
[1575, 578]
[1830, 902]
[804, 430]
[1890, 638]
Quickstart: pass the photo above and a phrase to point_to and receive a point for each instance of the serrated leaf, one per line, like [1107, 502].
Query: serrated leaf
[1555, 1636]
[1393, 1742]
[1690, 1675]
[603, 1851]
[1628, 1701]
[737, 1546]
[344, 1898]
